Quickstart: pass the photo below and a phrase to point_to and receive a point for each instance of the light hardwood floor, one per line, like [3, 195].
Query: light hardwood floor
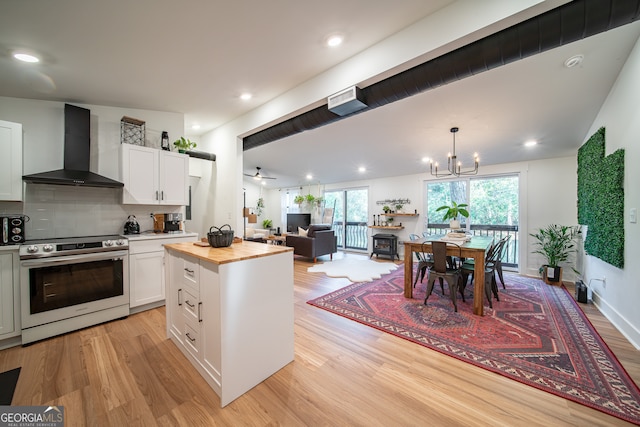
[126, 372]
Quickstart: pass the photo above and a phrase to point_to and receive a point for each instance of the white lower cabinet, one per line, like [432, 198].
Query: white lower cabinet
[234, 326]
[193, 313]
[146, 268]
[9, 295]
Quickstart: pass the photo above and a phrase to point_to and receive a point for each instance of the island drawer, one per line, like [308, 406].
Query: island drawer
[191, 303]
[189, 273]
[192, 339]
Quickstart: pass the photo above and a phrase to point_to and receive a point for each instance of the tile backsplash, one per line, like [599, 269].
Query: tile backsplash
[66, 211]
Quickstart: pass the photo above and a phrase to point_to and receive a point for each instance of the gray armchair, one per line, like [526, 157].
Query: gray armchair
[320, 240]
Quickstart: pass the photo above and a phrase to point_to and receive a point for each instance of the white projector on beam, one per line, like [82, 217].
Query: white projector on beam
[346, 101]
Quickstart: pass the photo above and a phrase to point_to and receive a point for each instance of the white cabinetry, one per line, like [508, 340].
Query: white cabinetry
[9, 294]
[146, 268]
[153, 177]
[10, 161]
[234, 325]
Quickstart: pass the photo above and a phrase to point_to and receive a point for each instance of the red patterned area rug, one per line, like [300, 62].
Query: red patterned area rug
[536, 334]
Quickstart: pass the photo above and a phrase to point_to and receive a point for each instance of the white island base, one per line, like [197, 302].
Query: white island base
[230, 312]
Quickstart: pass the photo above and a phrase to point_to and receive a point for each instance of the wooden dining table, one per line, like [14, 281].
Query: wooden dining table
[476, 248]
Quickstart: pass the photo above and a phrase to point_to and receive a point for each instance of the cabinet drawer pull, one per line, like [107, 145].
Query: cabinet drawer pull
[189, 304]
[189, 271]
[156, 195]
[189, 336]
[200, 312]
[162, 195]
[179, 296]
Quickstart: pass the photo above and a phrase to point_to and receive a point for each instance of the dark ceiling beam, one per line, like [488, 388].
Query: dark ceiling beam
[566, 24]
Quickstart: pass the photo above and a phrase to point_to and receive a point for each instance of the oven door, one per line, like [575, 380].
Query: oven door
[63, 287]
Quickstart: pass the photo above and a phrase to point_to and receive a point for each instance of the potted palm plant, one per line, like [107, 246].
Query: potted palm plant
[452, 212]
[556, 244]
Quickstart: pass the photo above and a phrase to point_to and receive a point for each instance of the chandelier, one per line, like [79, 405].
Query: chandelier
[454, 167]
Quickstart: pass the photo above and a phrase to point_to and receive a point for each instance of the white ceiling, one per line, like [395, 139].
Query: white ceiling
[196, 57]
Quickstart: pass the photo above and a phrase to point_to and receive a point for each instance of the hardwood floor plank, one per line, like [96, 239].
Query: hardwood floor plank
[126, 372]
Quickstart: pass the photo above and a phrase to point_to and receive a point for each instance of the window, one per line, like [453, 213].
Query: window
[493, 208]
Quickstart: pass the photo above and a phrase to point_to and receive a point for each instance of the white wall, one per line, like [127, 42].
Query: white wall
[618, 297]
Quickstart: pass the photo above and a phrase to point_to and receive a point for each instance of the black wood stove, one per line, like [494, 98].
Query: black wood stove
[385, 244]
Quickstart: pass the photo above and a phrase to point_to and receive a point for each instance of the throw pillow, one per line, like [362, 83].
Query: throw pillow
[302, 232]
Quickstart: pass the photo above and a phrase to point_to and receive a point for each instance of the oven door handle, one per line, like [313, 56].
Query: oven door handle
[74, 259]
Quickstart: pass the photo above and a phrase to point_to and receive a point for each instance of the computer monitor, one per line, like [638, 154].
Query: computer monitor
[295, 220]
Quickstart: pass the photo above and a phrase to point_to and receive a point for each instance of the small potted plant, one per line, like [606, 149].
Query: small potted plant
[399, 207]
[298, 200]
[386, 209]
[266, 224]
[555, 243]
[310, 198]
[452, 212]
[390, 221]
[259, 206]
[184, 144]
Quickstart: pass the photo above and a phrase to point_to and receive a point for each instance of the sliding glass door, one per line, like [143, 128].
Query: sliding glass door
[350, 216]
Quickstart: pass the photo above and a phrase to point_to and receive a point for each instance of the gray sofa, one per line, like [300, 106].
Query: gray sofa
[320, 240]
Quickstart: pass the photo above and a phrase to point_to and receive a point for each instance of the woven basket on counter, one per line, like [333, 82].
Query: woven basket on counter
[220, 238]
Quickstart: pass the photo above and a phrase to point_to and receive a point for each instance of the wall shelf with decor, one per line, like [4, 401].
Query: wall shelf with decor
[400, 214]
[387, 227]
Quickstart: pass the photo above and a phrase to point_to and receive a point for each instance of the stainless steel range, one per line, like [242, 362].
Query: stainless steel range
[68, 284]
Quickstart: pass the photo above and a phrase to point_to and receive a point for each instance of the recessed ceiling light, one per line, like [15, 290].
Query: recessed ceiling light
[362, 169]
[574, 61]
[195, 127]
[335, 40]
[245, 96]
[26, 57]
[425, 160]
[530, 143]
[309, 176]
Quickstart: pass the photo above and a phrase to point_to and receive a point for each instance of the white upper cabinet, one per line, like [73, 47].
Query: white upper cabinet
[153, 177]
[10, 161]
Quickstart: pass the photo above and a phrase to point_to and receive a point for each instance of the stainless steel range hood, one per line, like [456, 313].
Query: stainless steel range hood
[77, 146]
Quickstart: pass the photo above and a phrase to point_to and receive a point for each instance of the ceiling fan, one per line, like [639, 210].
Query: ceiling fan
[258, 176]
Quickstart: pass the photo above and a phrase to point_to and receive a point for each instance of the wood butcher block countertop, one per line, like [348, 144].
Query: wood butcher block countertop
[235, 252]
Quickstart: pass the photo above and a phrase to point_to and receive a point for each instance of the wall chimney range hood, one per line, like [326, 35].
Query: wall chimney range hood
[77, 145]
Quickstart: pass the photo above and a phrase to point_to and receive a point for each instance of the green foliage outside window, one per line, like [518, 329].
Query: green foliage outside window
[494, 200]
[601, 199]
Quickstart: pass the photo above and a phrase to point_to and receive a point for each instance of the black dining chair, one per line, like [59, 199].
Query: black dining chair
[425, 261]
[441, 271]
[490, 283]
[500, 256]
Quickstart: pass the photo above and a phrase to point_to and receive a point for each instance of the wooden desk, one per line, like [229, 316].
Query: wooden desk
[475, 249]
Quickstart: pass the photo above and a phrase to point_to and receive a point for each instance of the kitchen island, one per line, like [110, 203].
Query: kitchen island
[230, 311]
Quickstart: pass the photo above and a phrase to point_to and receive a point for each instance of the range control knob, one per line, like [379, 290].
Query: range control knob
[32, 249]
[121, 242]
[47, 248]
[108, 243]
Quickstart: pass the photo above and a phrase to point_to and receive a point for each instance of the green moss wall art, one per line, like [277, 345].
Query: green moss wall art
[601, 199]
